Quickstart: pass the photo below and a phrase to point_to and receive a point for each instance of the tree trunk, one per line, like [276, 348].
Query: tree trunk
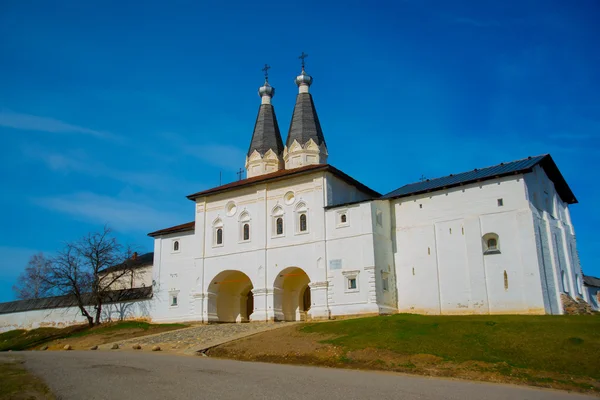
[98, 313]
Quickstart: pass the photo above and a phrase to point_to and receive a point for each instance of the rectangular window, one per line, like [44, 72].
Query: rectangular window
[174, 300]
[351, 283]
[500, 202]
[351, 278]
[342, 218]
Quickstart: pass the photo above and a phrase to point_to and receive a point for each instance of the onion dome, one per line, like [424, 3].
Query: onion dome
[304, 79]
[266, 90]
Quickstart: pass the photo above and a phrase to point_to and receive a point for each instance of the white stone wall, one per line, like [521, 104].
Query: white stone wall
[556, 243]
[440, 263]
[195, 272]
[140, 277]
[63, 317]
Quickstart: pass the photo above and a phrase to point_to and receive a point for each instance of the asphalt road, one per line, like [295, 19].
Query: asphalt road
[132, 376]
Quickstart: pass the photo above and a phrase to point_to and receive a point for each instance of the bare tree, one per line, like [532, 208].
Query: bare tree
[33, 283]
[79, 270]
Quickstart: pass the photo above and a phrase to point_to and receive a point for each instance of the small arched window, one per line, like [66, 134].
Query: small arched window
[244, 226]
[343, 219]
[578, 283]
[176, 245]
[302, 219]
[303, 225]
[219, 236]
[279, 225]
[491, 243]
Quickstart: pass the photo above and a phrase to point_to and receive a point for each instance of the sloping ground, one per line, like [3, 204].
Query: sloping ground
[80, 337]
[200, 337]
[549, 351]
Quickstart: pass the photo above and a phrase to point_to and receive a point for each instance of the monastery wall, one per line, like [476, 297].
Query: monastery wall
[440, 240]
[67, 316]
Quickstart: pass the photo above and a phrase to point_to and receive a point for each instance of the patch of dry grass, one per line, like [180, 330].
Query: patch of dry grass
[16, 383]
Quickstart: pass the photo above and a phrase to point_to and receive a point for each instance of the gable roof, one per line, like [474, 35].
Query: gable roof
[133, 263]
[188, 226]
[284, 174]
[503, 169]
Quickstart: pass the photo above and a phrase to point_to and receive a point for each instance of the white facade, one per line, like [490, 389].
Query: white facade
[426, 253]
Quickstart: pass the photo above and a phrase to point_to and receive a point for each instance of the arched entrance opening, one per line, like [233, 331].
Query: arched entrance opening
[231, 296]
[293, 296]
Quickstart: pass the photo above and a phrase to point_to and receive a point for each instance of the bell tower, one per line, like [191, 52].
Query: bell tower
[265, 154]
[305, 142]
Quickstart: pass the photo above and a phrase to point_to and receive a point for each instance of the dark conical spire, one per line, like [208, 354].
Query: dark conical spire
[266, 135]
[305, 123]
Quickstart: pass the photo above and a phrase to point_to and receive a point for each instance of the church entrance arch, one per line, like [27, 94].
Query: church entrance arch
[231, 296]
[292, 294]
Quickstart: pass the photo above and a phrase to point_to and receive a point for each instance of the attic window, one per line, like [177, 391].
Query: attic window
[175, 246]
[500, 202]
[343, 218]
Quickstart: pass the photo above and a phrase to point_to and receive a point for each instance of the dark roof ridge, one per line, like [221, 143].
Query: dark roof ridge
[523, 165]
[188, 226]
[283, 174]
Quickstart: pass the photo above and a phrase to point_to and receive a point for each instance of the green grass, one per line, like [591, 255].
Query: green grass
[562, 344]
[17, 383]
[24, 340]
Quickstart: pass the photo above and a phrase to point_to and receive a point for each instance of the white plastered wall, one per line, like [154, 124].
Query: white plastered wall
[555, 241]
[440, 263]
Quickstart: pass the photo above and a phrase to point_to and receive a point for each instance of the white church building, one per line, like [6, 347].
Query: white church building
[299, 239]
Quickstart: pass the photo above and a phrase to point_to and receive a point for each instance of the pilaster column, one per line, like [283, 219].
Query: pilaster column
[319, 308]
[198, 306]
[260, 305]
[209, 307]
[274, 304]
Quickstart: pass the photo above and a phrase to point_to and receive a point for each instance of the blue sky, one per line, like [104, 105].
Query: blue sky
[112, 112]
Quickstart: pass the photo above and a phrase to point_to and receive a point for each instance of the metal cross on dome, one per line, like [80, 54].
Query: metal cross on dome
[302, 57]
[266, 69]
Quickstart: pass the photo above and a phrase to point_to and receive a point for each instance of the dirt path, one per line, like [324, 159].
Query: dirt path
[198, 338]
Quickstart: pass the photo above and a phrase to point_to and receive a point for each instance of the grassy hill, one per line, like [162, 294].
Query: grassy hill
[552, 351]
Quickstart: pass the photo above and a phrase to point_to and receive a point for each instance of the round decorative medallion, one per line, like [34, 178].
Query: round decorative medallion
[289, 198]
[230, 208]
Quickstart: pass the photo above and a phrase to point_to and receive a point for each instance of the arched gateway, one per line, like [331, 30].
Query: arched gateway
[230, 297]
[292, 300]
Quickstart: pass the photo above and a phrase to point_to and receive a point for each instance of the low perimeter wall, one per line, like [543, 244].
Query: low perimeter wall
[66, 316]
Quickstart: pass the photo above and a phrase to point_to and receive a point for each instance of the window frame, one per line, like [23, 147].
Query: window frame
[173, 295]
[218, 224]
[487, 250]
[348, 277]
[340, 215]
[301, 210]
[176, 242]
[276, 214]
[245, 220]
